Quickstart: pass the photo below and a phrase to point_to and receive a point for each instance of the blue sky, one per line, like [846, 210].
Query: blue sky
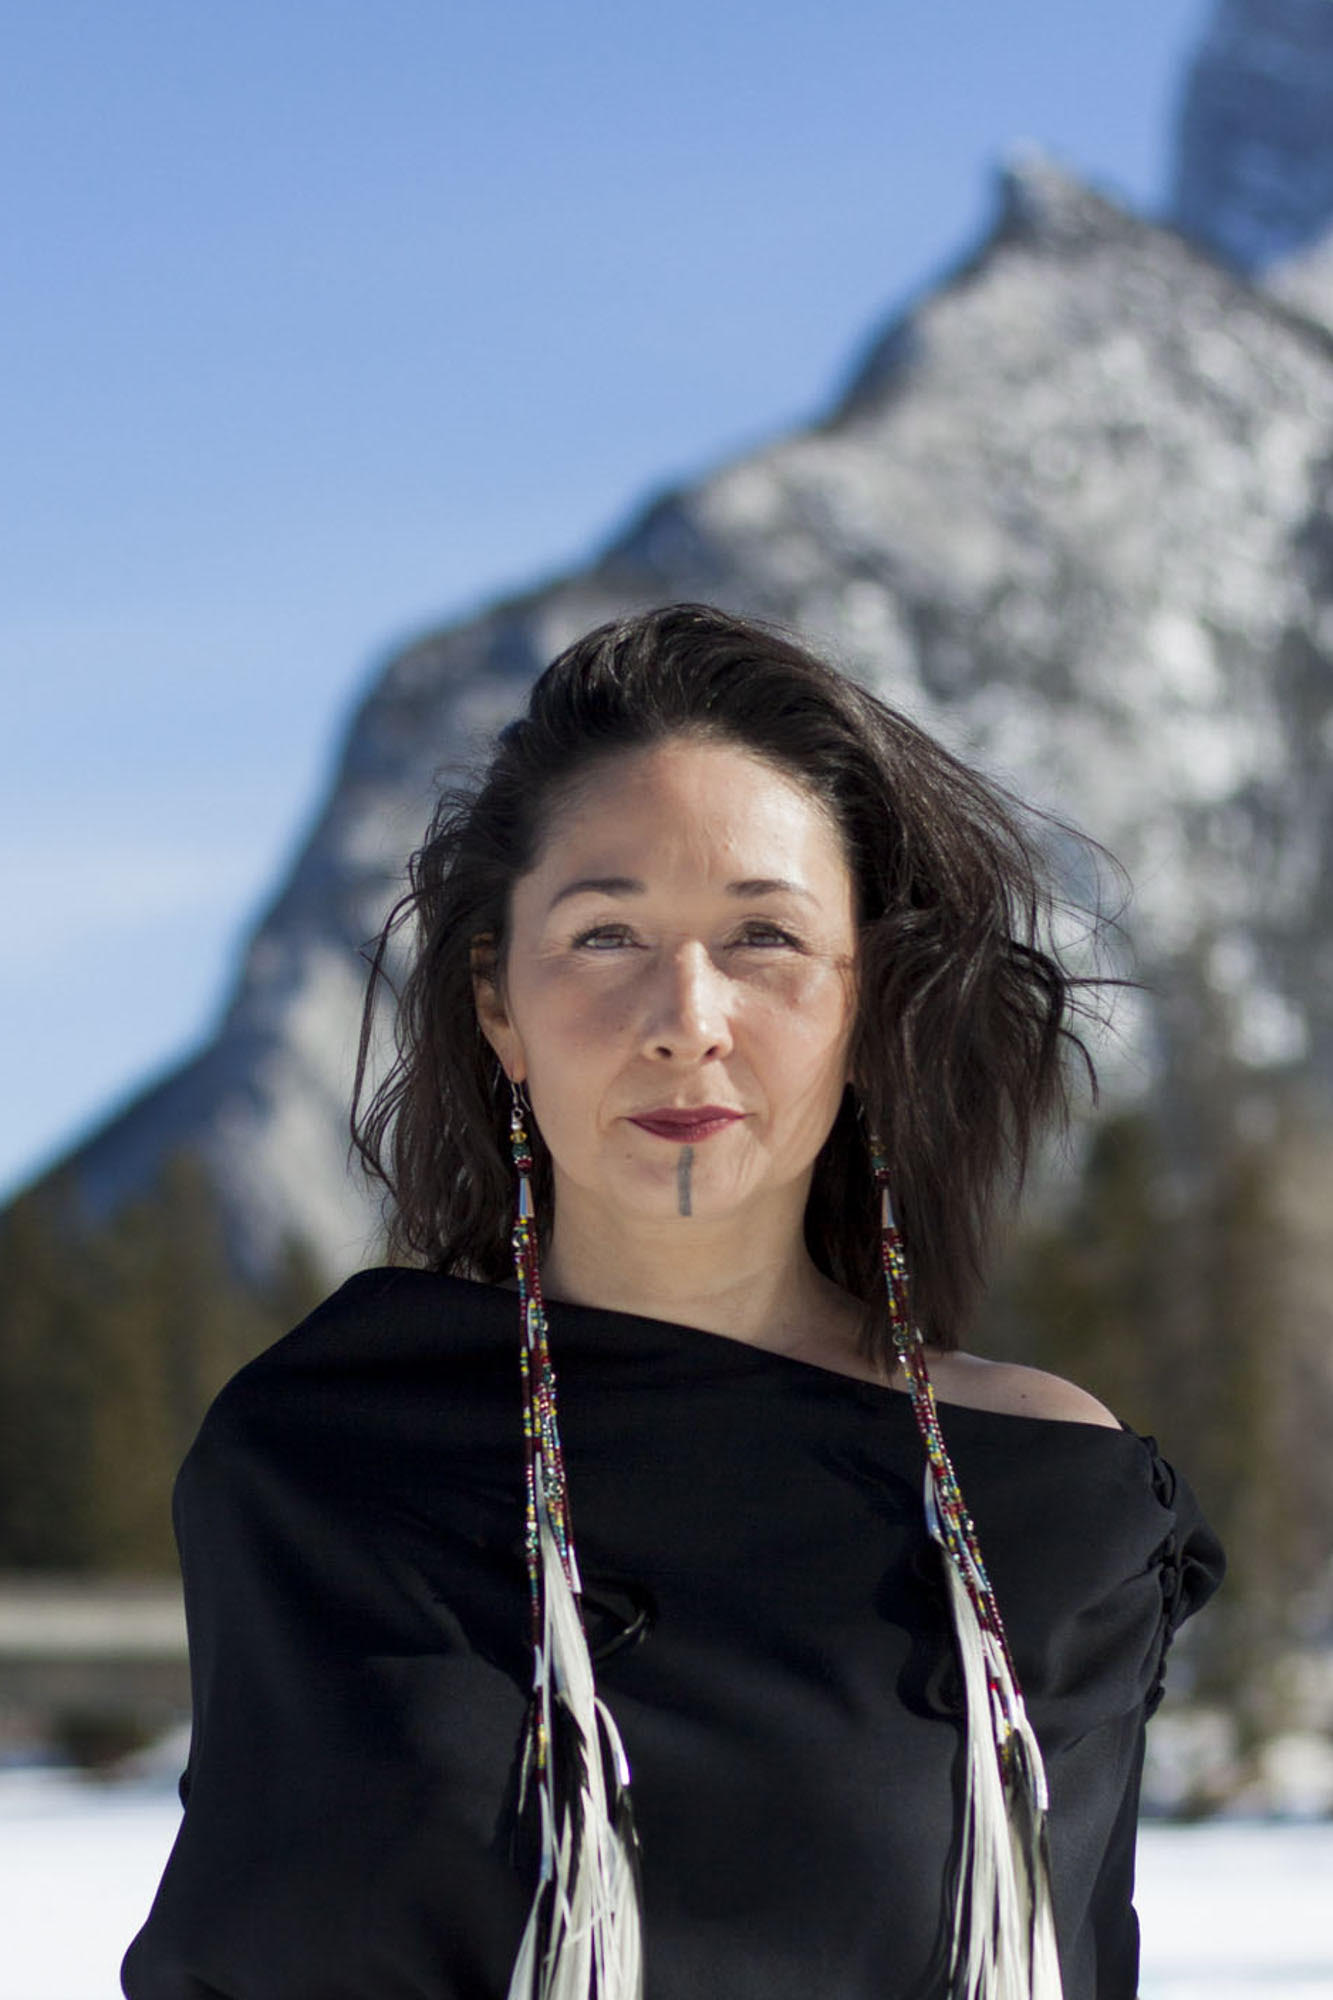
[324, 320]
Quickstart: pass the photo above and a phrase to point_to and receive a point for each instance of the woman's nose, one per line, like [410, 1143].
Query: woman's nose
[687, 1009]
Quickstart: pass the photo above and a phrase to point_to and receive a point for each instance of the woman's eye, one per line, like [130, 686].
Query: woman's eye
[768, 934]
[611, 931]
[774, 933]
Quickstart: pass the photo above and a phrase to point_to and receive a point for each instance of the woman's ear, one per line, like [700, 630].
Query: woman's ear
[489, 1001]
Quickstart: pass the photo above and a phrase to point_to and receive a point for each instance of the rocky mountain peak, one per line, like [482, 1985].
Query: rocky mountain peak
[1075, 514]
[1041, 213]
[1042, 200]
[1254, 146]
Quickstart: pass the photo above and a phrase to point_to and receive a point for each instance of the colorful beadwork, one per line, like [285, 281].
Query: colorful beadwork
[544, 1460]
[584, 1936]
[957, 1532]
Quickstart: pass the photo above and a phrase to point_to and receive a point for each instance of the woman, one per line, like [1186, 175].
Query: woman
[725, 975]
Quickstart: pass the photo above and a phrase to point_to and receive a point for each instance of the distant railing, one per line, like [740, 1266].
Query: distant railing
[89, 1666]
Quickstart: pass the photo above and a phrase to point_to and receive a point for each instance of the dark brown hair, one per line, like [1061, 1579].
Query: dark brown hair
[966, 1013]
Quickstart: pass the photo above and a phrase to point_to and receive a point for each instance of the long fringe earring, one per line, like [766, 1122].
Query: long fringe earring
[583, 1938]
[1003, 1944]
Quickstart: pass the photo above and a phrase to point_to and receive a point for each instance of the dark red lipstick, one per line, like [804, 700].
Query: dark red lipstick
[689, 1124]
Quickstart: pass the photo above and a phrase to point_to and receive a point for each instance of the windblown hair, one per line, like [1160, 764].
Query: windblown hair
[967, 1016]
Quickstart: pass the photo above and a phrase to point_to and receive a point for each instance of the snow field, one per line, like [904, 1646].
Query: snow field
[1230, 1910]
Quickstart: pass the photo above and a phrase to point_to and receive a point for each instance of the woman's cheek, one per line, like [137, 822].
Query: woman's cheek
[813, 995]
[593, 1016]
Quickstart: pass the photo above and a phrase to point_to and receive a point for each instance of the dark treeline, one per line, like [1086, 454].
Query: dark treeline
[1197, 1303]
[112, 1342]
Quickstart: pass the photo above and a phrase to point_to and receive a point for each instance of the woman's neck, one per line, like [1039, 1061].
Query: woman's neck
[786, 1305]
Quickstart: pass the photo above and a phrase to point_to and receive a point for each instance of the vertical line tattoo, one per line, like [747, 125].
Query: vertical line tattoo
[683, 1169]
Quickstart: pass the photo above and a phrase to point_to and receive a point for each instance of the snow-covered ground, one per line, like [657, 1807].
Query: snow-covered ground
[1236, 1910]
[1230, 1910]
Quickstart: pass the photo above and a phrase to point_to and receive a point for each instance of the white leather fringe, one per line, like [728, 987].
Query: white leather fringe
[1003, 1944]
[587, 1899]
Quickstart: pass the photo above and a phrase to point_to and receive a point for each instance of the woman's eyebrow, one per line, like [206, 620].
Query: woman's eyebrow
[626, 885]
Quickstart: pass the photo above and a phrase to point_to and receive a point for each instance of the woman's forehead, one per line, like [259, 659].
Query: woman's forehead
[692, 798]
[703, 819]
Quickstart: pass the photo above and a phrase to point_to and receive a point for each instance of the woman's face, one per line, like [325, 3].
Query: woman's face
[686, 938]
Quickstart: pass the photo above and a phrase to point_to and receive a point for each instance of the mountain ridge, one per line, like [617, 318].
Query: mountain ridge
[1069, 510]
[1254, 168]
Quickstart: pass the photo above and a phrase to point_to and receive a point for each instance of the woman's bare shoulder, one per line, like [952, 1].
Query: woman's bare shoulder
[1017, 1391]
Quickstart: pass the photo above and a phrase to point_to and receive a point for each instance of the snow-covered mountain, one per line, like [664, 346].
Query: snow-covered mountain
[1253, 176]
[1254, 153]
[1074, 511]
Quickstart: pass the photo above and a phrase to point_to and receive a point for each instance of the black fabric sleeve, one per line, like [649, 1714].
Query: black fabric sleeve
[1191, 1562]
[1093, 1879]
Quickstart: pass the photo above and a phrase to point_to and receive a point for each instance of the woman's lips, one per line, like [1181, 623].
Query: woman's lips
[688, 1131]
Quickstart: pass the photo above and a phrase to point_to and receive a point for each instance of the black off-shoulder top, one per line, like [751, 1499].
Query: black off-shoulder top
[771, 1632]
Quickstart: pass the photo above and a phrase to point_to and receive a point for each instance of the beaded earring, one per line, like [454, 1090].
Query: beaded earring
[1003, 1939]
[583, 1936]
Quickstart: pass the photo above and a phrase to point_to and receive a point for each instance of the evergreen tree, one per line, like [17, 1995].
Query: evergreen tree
[48, 1384]
[1169, 1293]
[112, 1343]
